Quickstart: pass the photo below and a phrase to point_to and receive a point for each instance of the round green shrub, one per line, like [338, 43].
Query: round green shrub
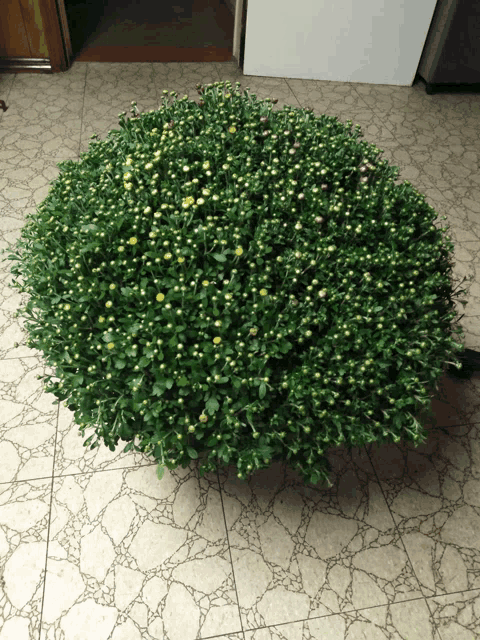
[245, 284]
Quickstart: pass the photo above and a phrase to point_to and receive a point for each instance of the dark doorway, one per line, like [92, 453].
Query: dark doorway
[150, 30]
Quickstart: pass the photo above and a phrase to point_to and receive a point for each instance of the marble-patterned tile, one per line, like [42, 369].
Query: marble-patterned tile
[102, 117]
[136, 557]
[329, 97]
[183, 77]
[454, 402]
[230, 68]
[471, 327]
[263, 87]
[110, 89]
[41, 138]
[449, 105]
[26, 182]
[6, 83]
[462, 202]
[433, 494]
[457, 615]
[410, 620]
[342, 100]
[24, 515]
[72, 457]
[301, 551]
[49, 98]
[28, 420]
[115, 85]
[136, 74]
[439, 144]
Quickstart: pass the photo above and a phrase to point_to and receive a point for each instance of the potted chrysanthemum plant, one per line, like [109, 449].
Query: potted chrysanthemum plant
[226, 281]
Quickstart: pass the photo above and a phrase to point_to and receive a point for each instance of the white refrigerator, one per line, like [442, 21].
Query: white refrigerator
[371, 41]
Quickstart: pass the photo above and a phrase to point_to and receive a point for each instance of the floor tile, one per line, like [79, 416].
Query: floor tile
[183, 76]
[110, 90]
[471, 326]
[6, 82]
[457, 616]
[433, 494]
[447, 158]
[26, 181]
[145, 556]
[24, 514]
[44, 138]
[72, 457]
[100, 117]
[300, 552]
[263, 88]
[342, 100]
[28, 420]
[454, 402]
[54, 97]
[332, 98]
[110, 82]
[403, 621]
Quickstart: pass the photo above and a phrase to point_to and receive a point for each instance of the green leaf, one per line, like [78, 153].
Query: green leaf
[160, 471]
[262, 390]
[120, 364]
[158, 388]
[128, 447]
[220, 257]
[134, 328]
[182, 382]
[169, 383]
[212, 406]
[285, 347]
[77, 379]
[192, 453]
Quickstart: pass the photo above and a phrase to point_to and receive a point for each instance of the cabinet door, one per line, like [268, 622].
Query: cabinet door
[13, 34]
[21, 30]
[34, 27]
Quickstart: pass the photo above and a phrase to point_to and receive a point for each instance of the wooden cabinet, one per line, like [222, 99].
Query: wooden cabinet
[30, 36]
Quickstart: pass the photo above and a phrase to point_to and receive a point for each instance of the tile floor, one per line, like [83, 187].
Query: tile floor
[93, 546]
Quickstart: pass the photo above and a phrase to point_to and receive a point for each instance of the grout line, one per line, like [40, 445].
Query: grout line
[396, 529]
[339, 613]
[83, 109]
[48, 527]
[230, 553]
[56, 476]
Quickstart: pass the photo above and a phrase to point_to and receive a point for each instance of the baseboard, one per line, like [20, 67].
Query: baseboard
[31, 65]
